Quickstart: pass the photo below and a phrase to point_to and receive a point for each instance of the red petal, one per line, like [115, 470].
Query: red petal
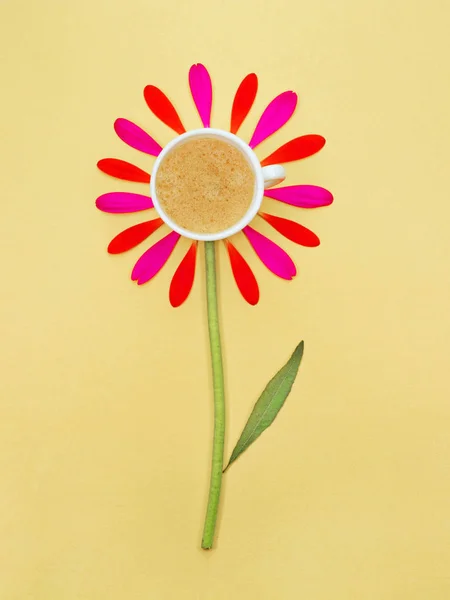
[131, 237]
[243, 275]
[183, 278]
[162, 107]
[120, 169]
[301, 147]
[292, 231]
[243, 101]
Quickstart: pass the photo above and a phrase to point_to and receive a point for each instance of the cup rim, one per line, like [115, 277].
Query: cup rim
[257, 196]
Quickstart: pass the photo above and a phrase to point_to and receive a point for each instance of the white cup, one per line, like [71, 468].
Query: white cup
[265, 177]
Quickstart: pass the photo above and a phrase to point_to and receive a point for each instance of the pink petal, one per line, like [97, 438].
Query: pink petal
[136, 137]
[123, 202]
[201, 90]
[279, 111]
[274, 257]
[152, 261]
[304, 196]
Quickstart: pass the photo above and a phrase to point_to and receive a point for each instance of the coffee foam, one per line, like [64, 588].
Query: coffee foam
[205, 185]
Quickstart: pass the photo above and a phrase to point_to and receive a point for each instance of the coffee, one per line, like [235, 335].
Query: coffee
[205, 185]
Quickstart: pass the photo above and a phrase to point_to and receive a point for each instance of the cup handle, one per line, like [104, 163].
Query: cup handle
[273, 174]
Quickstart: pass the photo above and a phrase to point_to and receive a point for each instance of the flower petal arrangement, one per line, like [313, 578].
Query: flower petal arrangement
[277, 113]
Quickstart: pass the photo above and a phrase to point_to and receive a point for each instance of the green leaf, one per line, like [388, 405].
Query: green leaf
[269, 403]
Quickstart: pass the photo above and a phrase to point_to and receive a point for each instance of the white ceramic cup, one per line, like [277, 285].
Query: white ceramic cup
[265, 177]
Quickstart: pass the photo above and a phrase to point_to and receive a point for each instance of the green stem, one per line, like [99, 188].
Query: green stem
[219, 398]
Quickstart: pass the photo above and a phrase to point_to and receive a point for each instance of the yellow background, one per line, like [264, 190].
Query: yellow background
[105, 414]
